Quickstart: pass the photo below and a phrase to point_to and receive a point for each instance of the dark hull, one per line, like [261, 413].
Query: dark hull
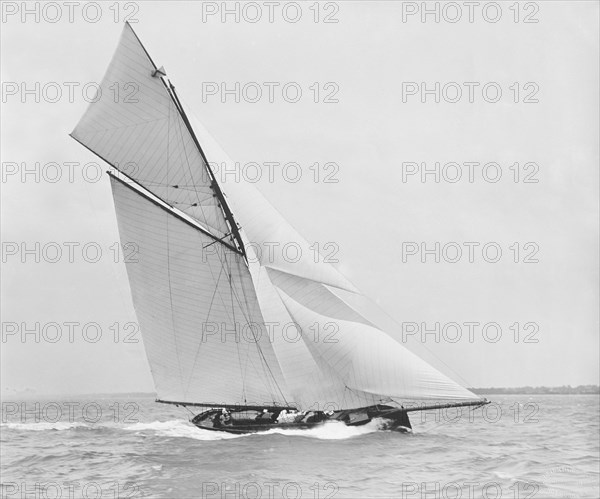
[249, 428]
[396, 420]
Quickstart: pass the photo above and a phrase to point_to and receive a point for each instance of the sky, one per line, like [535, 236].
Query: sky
[368, 115]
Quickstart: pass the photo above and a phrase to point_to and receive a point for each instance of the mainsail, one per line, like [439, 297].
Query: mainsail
[224, 323]
[190, 303]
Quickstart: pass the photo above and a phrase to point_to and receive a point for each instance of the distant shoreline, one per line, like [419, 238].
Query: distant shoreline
[540, 390]
[523, 390]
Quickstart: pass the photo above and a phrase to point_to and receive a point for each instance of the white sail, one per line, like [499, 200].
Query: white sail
[219, 329]
[194, 305]
[314, 294]
[313, 383]
[369, 360]
[135, 126]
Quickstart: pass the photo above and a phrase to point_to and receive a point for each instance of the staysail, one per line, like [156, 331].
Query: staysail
[342, 358]
[223, 322]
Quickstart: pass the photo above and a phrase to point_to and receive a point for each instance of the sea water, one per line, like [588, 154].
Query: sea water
[520, 446]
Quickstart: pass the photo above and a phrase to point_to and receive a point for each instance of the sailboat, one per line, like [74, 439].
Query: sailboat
[215, 312]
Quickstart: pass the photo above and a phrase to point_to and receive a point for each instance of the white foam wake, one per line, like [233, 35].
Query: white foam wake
[332, 430]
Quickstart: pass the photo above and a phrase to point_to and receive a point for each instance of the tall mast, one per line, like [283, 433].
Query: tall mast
[214, 184]
[172, 206]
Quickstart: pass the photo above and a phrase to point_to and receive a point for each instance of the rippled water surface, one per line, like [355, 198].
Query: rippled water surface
[518, 447]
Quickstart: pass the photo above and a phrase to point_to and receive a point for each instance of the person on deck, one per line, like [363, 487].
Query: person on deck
[286, 416]
[226, 417]
[315, 417]
[264, 417]
[216, 420]
[299, 417]
[310, 417]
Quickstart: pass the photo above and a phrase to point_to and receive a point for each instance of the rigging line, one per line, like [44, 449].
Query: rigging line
[225, 266]
[187, 161]
[256, 284]
[227, 213]
[207, 315]
[256, 340]
[262, 355]
[214, 242]
[237, 343]
[344, 404]
[270, 376]
[258, 347]
[169, 271]
[187, 408]
[374, 397]
[317, 356]
[246, 314]
[368, 397]
[224, 261]
[190, 187]
[428, 350]
[382, 329]
[245, 308]
[363, 395]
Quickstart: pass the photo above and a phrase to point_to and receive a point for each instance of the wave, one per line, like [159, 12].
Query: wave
[179, 428]
[44, 426]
